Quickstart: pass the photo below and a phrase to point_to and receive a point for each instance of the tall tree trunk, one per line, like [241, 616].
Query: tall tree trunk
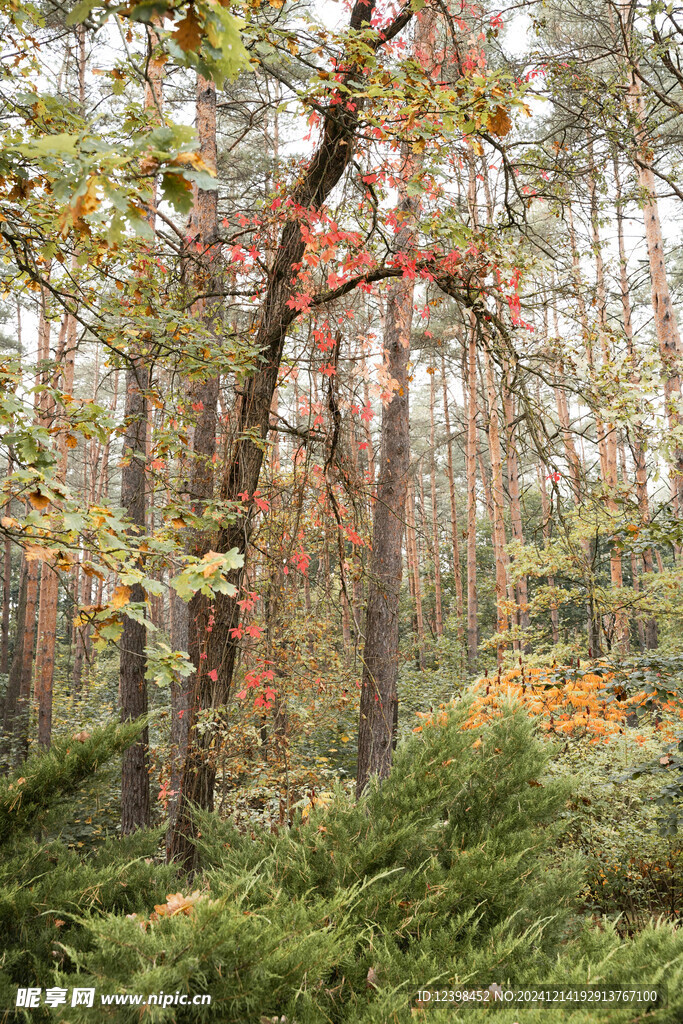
[635, 433]
[471, 472]
[135, 797]
[455, 540]
[438, 597]
[545, 510]
[49, 583]
[414, 568]
[521, 586]
[497, 500]
[379, 697]
[14, 708]
[576, 480]
[610, 480]
[666, 324]
[205, 398]
[6, 589]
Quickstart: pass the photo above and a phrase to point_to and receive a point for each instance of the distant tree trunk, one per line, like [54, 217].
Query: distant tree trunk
[576, 479]
[471, 471]
[49, 583]
[610, 480]
[14, 709]
[27, 644]
[414, 568]
[369, 451]
[521, 586]
[588, 334]
[497, 500]
[545, 510]
[635, 434]
[438, 599]
[455, 540]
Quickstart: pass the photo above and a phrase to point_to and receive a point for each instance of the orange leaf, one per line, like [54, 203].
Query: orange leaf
[37, 553]
[38, 500]
[120, 597]
[499, 122]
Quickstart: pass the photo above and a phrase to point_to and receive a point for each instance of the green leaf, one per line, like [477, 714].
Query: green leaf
[81, 12]
[61, 143]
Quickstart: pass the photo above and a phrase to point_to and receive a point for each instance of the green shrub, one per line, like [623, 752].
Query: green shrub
[452, 873]
[444, 873]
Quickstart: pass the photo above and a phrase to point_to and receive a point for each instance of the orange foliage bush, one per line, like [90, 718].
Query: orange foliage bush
[567, 702]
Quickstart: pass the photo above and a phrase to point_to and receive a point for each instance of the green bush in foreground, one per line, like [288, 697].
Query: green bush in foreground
[448, 875]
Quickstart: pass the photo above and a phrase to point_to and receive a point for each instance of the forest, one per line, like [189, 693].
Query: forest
[341, 511]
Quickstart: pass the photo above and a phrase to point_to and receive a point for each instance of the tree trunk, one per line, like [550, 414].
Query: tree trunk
[6, 589]
[471, 468]
[666, 324]
[455, 540]
[438, 599]
[610, 480]
[380, 662]
[379, 697]
[135, 798]
[414, 568]
[545, 509]
[636, 433]
[14, 710]
[205, 399]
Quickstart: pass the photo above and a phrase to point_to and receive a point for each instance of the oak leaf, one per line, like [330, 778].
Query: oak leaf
[120, 597]
[500, 122]
[38, 500]
[188, 34]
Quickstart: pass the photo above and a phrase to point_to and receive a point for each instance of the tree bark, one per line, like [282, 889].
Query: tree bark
[497, 501]
[438, 597]
[471, 470]
[610, 480]
[135, 797]
[379, 696]
[666, 324]
[455, 540]
[636, 434]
